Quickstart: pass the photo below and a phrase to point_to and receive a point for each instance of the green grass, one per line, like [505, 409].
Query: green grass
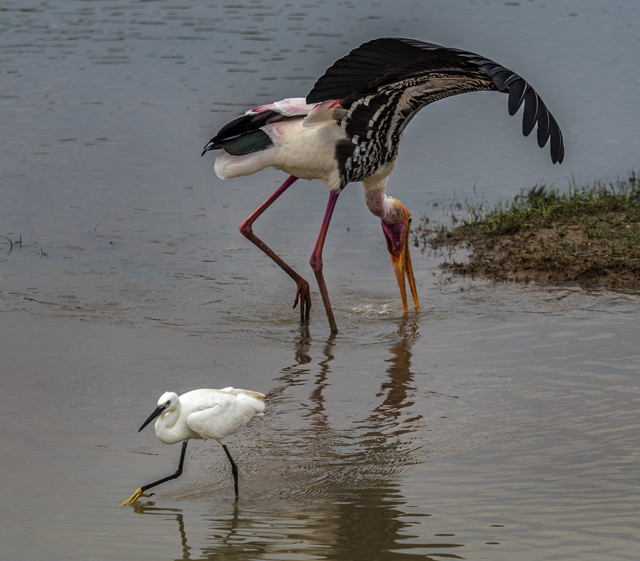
[586, 234]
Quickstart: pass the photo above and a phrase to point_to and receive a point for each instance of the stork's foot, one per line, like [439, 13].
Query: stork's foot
[303, 295]
[133, 498]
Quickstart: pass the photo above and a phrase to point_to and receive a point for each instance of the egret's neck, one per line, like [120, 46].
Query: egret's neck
[166, 422]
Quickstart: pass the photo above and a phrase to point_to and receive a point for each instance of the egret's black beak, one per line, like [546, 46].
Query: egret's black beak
[156, 413]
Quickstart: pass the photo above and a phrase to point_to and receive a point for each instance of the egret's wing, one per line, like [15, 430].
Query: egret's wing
[226, 416]
[238, 391]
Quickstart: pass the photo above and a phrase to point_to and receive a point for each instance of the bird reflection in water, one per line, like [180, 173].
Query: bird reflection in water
[224, 541]
[399, 388]
[397, 391]
[339, 492]
[352, 475]
[166, 514]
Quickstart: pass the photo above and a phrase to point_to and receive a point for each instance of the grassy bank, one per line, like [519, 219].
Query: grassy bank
[588, 235]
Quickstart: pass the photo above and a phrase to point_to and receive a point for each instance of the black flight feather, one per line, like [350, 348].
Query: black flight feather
[380, 64]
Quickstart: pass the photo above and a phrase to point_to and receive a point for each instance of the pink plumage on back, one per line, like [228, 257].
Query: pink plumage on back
[291, 107]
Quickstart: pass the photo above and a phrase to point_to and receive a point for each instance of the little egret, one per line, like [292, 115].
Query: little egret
[348, 128]
[201, 414]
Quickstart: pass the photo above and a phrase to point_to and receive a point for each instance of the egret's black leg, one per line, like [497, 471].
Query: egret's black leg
[140, 492]
[177, 474]
[234, 469]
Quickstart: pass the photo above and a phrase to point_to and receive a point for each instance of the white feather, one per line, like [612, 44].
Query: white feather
[305, 152]
[206, 413]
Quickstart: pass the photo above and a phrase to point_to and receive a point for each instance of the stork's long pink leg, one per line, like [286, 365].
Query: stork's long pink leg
[302, 292]
[316, 259]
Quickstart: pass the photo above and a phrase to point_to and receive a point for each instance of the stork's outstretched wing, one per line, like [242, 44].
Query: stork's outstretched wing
[384, 82]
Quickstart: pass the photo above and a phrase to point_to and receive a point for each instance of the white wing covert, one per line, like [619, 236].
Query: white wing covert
[226, 417]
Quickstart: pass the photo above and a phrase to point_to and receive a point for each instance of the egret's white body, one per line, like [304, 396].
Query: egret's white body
[204, 414]
[201, 414]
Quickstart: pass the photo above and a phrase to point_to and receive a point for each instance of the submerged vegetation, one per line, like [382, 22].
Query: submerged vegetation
[589, 235]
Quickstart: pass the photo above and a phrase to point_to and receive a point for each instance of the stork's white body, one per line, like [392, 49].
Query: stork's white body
[305, 148]
[301, 147]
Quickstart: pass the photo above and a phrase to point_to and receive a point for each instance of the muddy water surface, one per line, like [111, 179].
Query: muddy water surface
[499, 422]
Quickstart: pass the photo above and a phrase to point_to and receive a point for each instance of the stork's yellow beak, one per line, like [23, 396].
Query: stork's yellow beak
[401, 261]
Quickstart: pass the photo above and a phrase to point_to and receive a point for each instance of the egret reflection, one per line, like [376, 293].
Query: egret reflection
[334, 485]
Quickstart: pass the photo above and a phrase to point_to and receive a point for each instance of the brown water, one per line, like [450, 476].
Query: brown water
[500, 422]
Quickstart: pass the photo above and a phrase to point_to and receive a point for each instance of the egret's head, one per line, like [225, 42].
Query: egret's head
[167, 401]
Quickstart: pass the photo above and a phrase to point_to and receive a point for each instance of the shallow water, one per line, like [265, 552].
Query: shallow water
[499, 422]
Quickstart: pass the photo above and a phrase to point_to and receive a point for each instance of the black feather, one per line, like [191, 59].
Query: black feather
[387, 64]
[557, 145]
[543, 123]
[247, 143]
[371, 83]
[383, 61]
[516, 96]
[242, 126]
[530, 111]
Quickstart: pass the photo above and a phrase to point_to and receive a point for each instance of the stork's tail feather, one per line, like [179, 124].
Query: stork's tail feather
[243, 135]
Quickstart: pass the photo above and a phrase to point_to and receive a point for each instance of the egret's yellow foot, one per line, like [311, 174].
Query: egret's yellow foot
[133, 498]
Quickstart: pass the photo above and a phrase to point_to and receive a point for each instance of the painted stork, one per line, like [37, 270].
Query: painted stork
[348, 129]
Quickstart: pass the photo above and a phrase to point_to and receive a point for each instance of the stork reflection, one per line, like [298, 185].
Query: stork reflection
[335, 479]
